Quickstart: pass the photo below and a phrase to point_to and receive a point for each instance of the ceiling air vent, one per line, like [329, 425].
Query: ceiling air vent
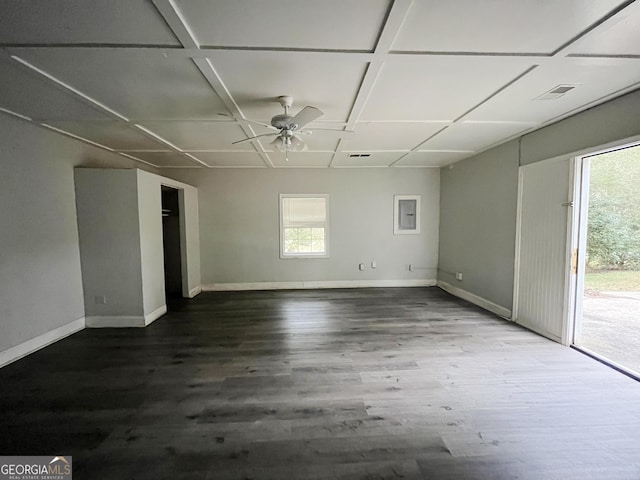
[358, 155]
[556, 92]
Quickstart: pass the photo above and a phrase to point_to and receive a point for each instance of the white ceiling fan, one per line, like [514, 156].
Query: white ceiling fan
[288, 128]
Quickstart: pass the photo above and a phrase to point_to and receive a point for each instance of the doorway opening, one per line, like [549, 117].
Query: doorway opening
[607, 311]
[171, 243]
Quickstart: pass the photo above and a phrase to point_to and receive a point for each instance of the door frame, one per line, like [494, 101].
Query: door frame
[579, 235]
[574, 249]
[575, 239]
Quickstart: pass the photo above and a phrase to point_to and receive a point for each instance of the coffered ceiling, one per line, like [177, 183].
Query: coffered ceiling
[421, 83]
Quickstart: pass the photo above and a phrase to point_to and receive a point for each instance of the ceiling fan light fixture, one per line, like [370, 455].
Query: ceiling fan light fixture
[289, 144]
[297, 145]
[278, 144]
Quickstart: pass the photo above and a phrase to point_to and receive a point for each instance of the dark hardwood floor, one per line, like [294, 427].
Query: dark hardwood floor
[350, 384]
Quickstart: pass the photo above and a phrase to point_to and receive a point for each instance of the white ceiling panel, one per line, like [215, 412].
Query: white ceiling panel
[115, 135]
[421, 82]
[215, 135]
[375, 159]
[137, 84]
[165, 159]
[619, 37]
[319, 24]
[390, 136]
[592, 78]
[27, 93]
[431, 159]
[301, 159]
[83, 22]
[473, 136]
[230, 159]
[530, 26]
[437, 88]
[256, 79]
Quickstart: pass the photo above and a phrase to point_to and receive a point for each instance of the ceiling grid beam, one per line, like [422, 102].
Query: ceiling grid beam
[378, 50]
[91, 102]
[180, 28]
[388, 32]
[601, 24]
[177, 23]
[76, 93]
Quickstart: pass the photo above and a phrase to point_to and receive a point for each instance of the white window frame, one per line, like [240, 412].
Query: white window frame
[284, 255]
[397, 230]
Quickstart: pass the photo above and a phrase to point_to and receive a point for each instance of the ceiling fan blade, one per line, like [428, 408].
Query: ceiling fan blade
[257, 136]
[255, 122]
[339, 133]
[231, 117]
[306, 115]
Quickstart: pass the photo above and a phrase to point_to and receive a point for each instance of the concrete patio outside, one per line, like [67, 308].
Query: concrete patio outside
[611, 326]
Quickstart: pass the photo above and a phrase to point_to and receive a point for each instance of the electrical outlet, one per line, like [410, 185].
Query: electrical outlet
[410, 268]
[100, 299]
[361, 266]
[459, 276]
[373, 264]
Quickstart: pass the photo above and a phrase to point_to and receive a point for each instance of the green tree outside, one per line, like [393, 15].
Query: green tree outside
[613, 237]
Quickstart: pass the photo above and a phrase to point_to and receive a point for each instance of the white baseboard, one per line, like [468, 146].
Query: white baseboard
[156, 314]
[539, 331]
[195, 291]
[41, 341]
[107, 321]
[475, 299]
[110, 321]
[219, 287]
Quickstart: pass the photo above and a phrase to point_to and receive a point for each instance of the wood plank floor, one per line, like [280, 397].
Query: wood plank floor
[348, 384]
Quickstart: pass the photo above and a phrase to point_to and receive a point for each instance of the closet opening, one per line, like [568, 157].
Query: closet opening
[171, 239]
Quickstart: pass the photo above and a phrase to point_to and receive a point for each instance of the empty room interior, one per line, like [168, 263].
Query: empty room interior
[309, 239]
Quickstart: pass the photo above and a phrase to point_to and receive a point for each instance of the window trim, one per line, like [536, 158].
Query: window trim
[288, 256]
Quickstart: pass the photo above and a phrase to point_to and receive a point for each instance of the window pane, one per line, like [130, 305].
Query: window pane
[304, 225]
[317, 240]
[304, 240]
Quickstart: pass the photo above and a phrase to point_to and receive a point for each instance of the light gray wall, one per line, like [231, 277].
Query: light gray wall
[108, 224]
[152, 259]
[40, 282]
[477, 223]
[120, 225]
[609, 122]
[479, 195]
[239, 224]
